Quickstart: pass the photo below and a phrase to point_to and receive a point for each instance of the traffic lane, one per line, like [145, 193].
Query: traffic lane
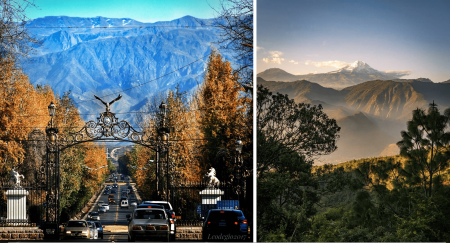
[115, 215]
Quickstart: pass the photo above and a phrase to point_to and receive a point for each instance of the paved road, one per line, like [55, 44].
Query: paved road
[114, 219]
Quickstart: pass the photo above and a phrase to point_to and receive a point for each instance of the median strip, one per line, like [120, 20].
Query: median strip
[115, 228]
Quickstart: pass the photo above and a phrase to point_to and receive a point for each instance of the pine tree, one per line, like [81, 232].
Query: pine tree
[424, 146]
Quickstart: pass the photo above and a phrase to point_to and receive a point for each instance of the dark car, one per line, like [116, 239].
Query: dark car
[113, 191]
[225, 222]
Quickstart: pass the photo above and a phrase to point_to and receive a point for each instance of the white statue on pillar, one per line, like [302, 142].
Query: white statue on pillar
[211, 175]
[15, 177]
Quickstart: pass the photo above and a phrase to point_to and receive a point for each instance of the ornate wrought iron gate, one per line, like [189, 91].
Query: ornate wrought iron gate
[108, 127]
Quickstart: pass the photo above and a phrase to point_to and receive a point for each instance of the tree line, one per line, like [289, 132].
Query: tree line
[397, 198]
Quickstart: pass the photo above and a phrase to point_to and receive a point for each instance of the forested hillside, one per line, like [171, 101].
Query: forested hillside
[393, 198]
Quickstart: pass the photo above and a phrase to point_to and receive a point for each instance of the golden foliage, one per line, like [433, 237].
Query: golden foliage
[20, 112]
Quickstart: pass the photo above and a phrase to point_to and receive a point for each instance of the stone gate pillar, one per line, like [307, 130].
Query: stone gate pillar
[17, 205]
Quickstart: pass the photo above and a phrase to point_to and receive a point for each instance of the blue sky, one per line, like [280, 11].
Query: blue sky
[141, 10]
[389, 35]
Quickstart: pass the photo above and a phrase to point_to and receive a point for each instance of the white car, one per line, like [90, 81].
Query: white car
[148, 223]
[124, 204]
[94, 216]
[171, 214]
[99, 203]
[93, 229]
[102, 209]
[106, 206]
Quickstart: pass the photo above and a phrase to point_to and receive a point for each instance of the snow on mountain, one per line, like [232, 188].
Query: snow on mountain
[117, 58]
[357, 67]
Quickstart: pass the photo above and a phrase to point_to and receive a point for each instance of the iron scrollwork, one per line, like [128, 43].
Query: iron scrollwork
[107, 127]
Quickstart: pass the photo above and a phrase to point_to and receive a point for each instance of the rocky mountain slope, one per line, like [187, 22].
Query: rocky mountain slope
[124, 56]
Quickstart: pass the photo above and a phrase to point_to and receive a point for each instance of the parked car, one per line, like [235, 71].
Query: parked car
[77, 229]
[106, 206]
[147, 224]
[93, 229]
[225, 221]
[99, 228]
[124, 204]
[94, 216]
[101, 209]
[170, 212]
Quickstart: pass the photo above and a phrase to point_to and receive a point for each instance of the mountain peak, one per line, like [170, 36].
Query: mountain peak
[357, 67]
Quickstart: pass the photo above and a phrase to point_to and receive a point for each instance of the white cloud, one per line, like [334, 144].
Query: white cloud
[294, 62]
[335, 64]
[398, 74]
[259, 48]
[274, 58]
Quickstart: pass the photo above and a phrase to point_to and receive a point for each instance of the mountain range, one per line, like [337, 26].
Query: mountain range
[351, 74]
[106, 56]
[371, 114]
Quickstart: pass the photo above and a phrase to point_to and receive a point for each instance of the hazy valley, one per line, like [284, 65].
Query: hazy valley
[371, 114]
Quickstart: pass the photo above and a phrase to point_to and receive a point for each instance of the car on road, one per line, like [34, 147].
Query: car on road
[170, 212]
[93, 229]
[112, 201]
[225, 221]
[133, 202]
[99, 203]
[106, 192]
[113, 191]
[101, 209]
[99, 226]
[106, 206]
[77, 229]
[94, 216]
[124, 204]
[111, 196]
[115, 185]
[147, 224]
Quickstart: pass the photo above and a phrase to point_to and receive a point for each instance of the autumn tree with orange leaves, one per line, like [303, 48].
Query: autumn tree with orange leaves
[225, 117]
[23, 109]
[20, 113]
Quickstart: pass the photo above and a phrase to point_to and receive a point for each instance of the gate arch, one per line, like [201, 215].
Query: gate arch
[107, 128]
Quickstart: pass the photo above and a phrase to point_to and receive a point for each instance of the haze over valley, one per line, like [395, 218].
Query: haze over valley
[371, 114]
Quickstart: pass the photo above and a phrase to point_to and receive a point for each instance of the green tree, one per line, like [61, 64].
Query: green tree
[111, 166]
[424, 146]
[289, 136]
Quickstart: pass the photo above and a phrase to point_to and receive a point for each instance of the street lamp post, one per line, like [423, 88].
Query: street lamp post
[53, 172]
[239, 144]
[164, 140]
